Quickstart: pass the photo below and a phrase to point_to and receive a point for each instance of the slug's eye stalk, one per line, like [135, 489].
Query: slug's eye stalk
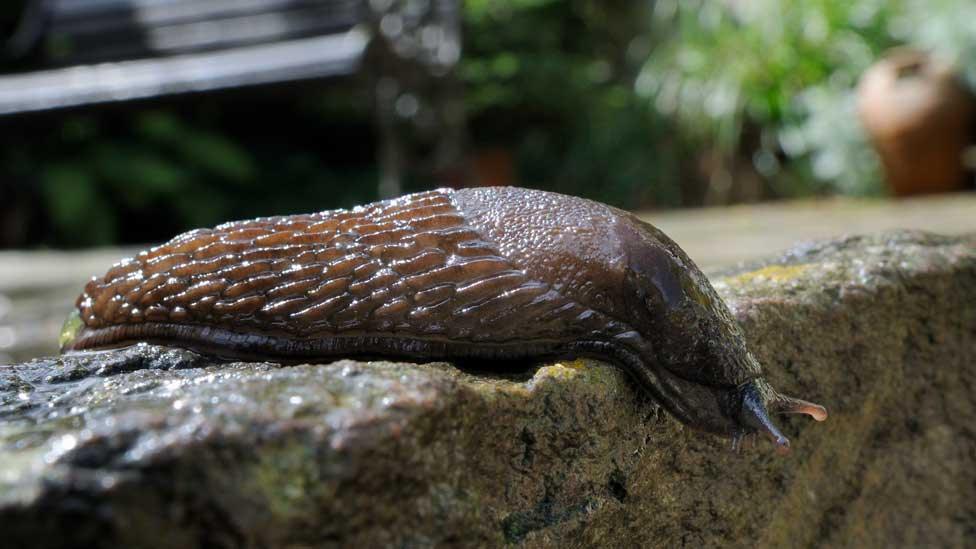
[754, 415]
[783, 404]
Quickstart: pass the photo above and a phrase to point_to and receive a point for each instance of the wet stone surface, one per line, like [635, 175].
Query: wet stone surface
[155, 447]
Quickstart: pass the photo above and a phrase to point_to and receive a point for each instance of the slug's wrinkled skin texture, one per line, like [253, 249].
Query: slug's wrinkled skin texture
[489, 273]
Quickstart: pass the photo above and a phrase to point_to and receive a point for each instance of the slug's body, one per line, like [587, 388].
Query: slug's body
[491, 273]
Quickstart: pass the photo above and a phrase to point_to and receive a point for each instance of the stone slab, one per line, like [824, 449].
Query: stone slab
[154, 447]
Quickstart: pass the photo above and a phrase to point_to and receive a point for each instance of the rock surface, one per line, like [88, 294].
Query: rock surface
[154, 447]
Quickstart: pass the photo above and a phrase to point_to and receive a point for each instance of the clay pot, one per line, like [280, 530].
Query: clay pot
[919, 116]
[485, 167]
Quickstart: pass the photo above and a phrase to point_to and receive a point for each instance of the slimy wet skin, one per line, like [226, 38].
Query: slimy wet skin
[490, 273]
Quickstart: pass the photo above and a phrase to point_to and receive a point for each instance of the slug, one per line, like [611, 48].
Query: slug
[491, 274]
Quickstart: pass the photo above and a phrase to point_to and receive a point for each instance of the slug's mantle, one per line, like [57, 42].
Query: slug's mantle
[153, 447]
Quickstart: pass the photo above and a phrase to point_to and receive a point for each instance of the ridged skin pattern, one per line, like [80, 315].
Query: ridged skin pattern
[410, 267]
[496, 273]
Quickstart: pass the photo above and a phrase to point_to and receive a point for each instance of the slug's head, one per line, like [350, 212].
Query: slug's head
[695, 357]
[732, 411]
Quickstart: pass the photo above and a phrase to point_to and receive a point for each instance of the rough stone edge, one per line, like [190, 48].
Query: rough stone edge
[666, 482]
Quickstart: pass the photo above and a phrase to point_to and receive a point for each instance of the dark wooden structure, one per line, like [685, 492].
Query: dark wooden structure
[84, 53]
[100, 51]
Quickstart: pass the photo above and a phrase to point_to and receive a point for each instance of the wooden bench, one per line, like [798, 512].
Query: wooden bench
[100, 51]
[84, 53]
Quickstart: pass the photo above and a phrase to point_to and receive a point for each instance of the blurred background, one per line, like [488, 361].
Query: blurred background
[125, 122]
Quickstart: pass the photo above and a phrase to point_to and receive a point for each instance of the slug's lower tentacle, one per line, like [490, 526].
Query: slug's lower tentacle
[754, 414]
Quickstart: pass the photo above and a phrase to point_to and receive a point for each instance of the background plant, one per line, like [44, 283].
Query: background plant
[639, 104]
[786, 71]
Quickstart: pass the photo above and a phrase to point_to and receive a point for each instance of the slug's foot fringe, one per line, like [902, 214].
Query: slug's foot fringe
[743, 440]
[737, 439]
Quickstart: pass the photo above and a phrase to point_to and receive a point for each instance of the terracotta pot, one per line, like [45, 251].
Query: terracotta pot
[919, 116]
[485, 167]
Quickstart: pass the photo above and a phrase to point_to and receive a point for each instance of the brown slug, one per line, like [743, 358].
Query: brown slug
[486, 273]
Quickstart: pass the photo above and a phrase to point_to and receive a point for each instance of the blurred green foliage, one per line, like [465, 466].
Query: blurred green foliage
[787, 70]
[638, 104]
[553, 82]
[141, 175]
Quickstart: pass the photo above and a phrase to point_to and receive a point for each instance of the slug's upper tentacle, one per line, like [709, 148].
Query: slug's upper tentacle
[783, 404]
